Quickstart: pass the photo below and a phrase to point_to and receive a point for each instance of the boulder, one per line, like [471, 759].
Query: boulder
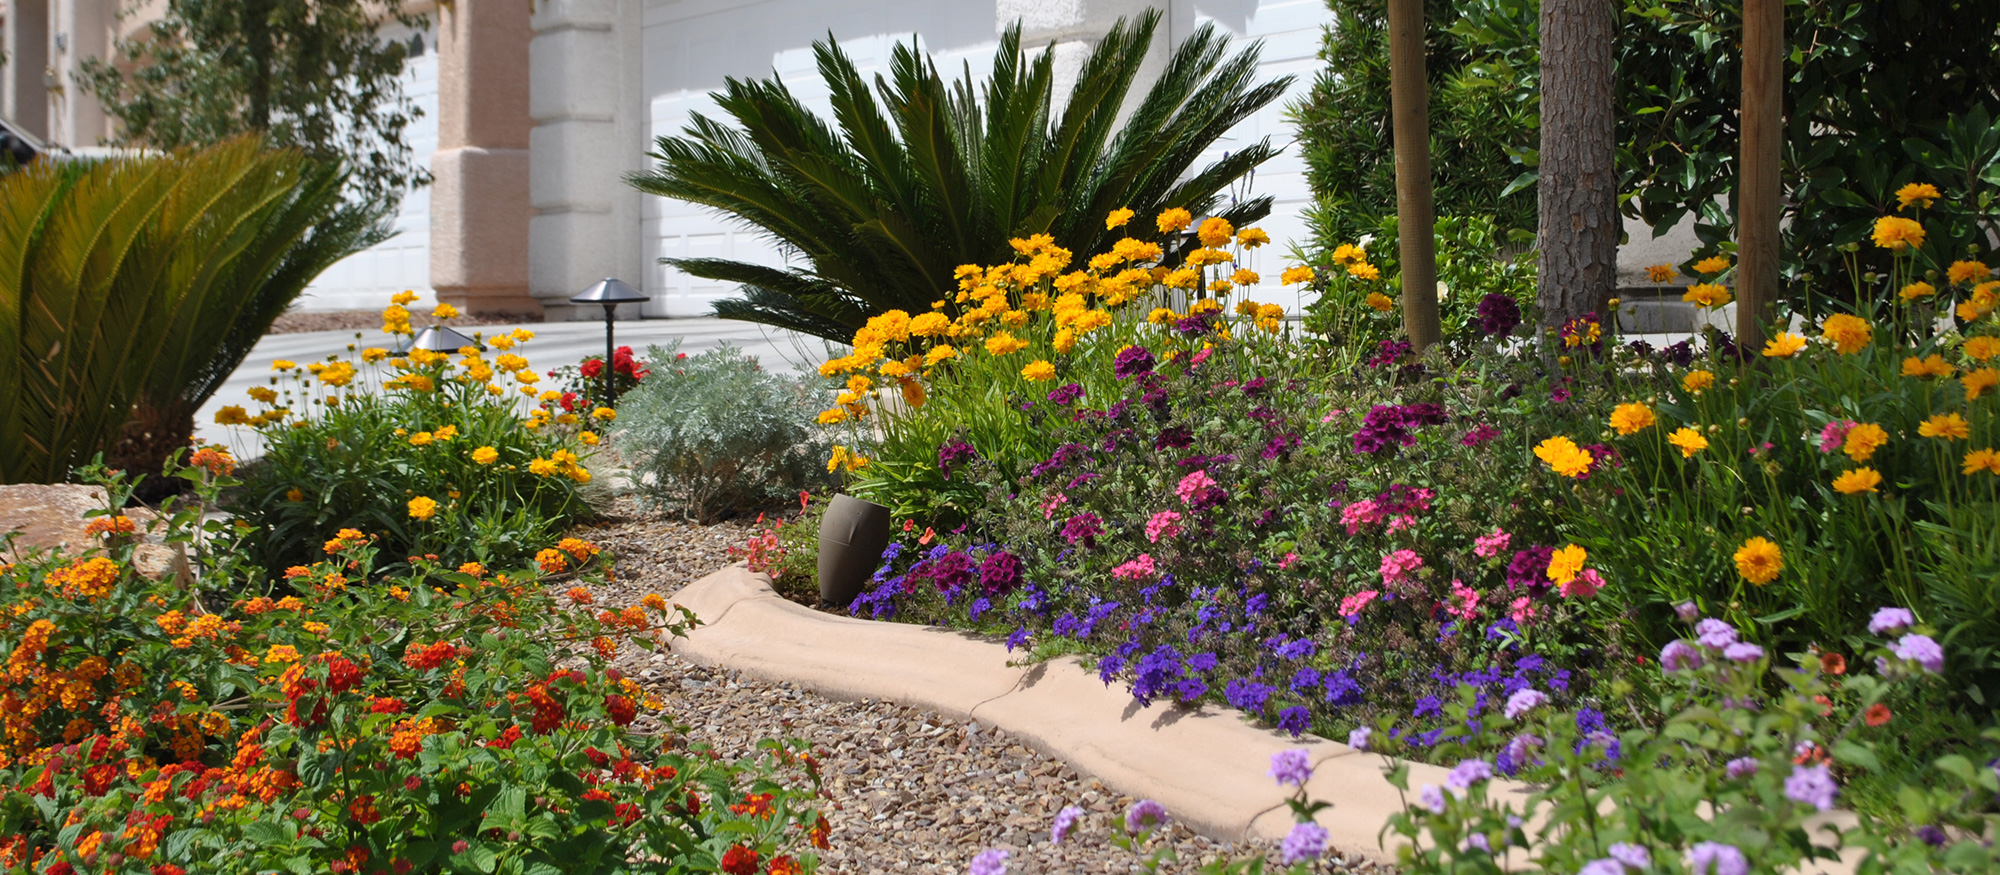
[50, 517]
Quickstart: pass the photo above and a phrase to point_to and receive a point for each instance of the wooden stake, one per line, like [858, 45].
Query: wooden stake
[1759, 190]
[1416, 224]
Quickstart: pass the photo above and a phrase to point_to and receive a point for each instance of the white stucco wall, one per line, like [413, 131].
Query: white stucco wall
[366, 279]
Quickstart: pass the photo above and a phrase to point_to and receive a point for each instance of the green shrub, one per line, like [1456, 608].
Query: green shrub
[432, 455]
[716, 434]
[1353, 315]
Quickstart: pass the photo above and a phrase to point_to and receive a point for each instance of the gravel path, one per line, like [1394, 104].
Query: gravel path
[301, 321]
[911, 791]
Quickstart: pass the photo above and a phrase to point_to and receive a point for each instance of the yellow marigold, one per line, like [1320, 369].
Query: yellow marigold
[1784, 345]
[420, 439]
[1949, 426]
[1629, 418]
[423, 507]
[1863, 440]
[1348, 253]
[1566, 563]
[1173, 220]
[589, 438]
[1967, 271]
[1271, 311]
[1091, 320]
[337, 374]
[1981, 348]
[1204, 257]
[1215, 231]
[913, 392]
[1296, 275]
[526, 376]
[1977, 382]
[943, 352]
[1707, 295]
[1933, 366]
[833, 416]
[281, 653]
[232, 415]
[1857, 480]
[1660, 273]
[1688, 441]
[1981, 460]
[1696, 381]
[1917, 290]
[1563, 456]
[1848, 333]
[1184, 278]
[1162, 316]
[1984, 297]
[1897, 233]
[485, 455]
[1251, 238]
[1364, 270]
[1064, 341]
[604, 414]
[1759, 561]
[262, 395]
[283, 365]
[1379, 302]
[1004, 343]
[1039, 370]
[1919, 194]
[1118, 218]
[445, 311]
[542, 467]
[1245, 277]
[403, 297]
[1713, 264]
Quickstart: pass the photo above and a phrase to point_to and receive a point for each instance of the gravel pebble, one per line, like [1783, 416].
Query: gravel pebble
[909, 790]
[300, 321]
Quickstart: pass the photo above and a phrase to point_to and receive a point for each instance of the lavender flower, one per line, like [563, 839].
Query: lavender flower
[1635, 856]
[1931, 835]
[1145, 814]
[1715, 858]
[1743, 767]
[1743, 652]
[1358, 739]
[992, 861]
[1921, 650]
[1429, 796]
[1466, 774]
[1292, 767]
[1606, 866]
[1811, 785]
[1065, 821]
[1687, 612]
[1524, 701]
[1715, 633]
[1889, 620]
[1306, 841]
[1477, 841]
[1679, 655]
[1518, 751]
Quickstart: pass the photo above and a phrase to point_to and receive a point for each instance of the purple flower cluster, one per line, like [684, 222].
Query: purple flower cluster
[1066, 394]
[1530, 569]
[1083, 528]
[1389, 426]
[1389, 352]
[1000, 573]
[952, 453]
[1498, 314]
[1064, 456]
[1131, 362]
[1479, 434]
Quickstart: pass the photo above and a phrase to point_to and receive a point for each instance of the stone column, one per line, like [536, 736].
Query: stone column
[588, 111]
[24, 94]
[479, 195]
[79, 29]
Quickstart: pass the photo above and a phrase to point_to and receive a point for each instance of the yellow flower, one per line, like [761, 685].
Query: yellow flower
[1919, 193]
[1934, 366]
[1967, 271]
[1712, 264]
[1977, 382]
[1949, 426]
[1566, 563]
[1857, 480]
[1564, 457]
[445, 434]
[833, 416]
[1364, 270]
[1849, 333]
[1173, 220]
[1251, 238]
[232, 415]
[420, 439]
[1660, 273]
[1379, 302]
[1981, 348]
[1696, 381]
[1784, 345]
[262, 395]
[1064, 341]
[404, 297]
[1688, 440]
[589, 438]
[941, 353]
[604, 414]
[1004, 343]
[1348, 253]
[1917, 290]
[1184, 278]
[913, 392]
[1708, 295]
[1245, 277]
[374, 354]
[1215, 231]
[521, 335]
[281, 653]
[1897, 233]
[1759, 561]
[485, 455]
[503, 342]
[445, 311]
[293, 494]
[1295, 275]
[542, 467]
[1863, 440]
[282, 365]
[1118, 218]
[1039, 371]
[423, 508]
[1977, 460]
[525, 376]
[1629, 418]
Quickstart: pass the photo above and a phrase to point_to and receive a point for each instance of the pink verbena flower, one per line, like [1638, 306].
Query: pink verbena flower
[1489, 546]
[1585, 584]
[1361, 514]
[1399, 565]
[1400, 523]
[1835, 434]
[1464, 601]
[1165, 524]
[1141, 568]
[1521, 610]
[1193, 485]
[1051, 503]
[1351, 606]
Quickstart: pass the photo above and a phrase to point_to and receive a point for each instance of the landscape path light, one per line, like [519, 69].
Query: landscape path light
[609, 292]
[440, 338]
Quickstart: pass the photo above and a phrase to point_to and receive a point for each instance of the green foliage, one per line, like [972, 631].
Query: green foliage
[1482, 61]
[439, 719]
[883, 205]
[144, 282]
[1473, 260]
[308, 74]
[715, 434]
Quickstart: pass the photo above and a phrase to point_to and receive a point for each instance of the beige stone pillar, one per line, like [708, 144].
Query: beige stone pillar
[24, 92]
[79, 29]
[479, 193]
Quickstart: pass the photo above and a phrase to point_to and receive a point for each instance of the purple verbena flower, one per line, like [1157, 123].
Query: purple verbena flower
[1429, 796]
[1811, 785]
[1524, 701]
[1065, 394]
[1743, 767]
[1498, 314]
[1715, 633]
[992, 861]
[1145, 814]
[1466, 774]
[1131, 362]
[1292, 767]
[1889, 620]
[1921, 650]
[1743, 651]
[1687, 612]
[1606, 866]
[1635, 856]
[1065, 821]
[1715, 858]
[1679, 655]
[1358, 739]
[1305, 842]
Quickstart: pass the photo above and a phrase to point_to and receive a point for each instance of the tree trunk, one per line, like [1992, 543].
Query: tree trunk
[1758, 188]
[149, 437]
[1416, 223]
[1579, 176]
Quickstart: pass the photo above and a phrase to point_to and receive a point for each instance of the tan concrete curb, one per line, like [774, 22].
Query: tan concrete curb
[1208, 766]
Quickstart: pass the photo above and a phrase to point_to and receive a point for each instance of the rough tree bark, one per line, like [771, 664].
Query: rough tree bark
[1578, 185]
[1416, 224]
[1758, 188]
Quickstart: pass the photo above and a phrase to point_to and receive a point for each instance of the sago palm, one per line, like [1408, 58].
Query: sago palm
[885, 201]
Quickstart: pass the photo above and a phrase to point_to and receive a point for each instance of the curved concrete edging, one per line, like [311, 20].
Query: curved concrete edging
[1209, 766]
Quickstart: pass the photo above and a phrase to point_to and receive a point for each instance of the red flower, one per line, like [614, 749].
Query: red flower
[593, 367]
[167, 869]
[739, 860]
[1833, 663]
[621, 709]
[429, 656]
[1877, 714]
[506, 739]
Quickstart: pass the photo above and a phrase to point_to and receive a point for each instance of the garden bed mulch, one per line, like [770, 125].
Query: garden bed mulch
[301, 321]
[916, 792]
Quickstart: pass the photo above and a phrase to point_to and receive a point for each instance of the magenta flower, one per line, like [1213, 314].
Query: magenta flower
[1362, 513]
[1165, 524]
[1351, 606]
[1084, 528]
[1585, 584]
[1489, 546]
[1145, 814]
[1138, 569]
[1834, 435]
[1399, 565]
[1194, 486]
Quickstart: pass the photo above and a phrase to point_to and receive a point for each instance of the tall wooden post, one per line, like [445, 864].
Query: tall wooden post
[1758, 187]
[1577, 192]
[1416, 224]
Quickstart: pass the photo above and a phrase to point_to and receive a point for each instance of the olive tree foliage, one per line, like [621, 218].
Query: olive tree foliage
[308, 74]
